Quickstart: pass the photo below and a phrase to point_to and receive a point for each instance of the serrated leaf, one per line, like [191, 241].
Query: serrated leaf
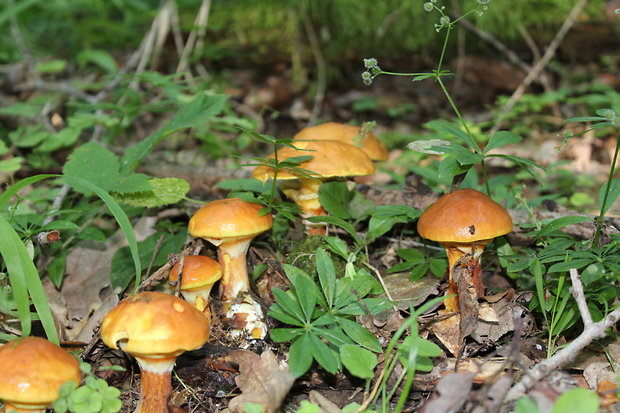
[164, 191]
[93, 163]
[133, 183]
[359, 361]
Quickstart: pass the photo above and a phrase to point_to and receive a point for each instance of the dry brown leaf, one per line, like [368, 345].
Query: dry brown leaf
[261, 380]
[406, 293]
[450, 394]
[448, 331]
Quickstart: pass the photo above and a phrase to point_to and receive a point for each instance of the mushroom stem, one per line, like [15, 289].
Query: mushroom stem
[232, 257]
[155, 384]
[455, 252]
[306, 196]
[12, 408]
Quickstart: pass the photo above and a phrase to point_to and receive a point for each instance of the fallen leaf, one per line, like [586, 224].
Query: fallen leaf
[450, 394]
[448, 331]
[405, 292]
[261, 380]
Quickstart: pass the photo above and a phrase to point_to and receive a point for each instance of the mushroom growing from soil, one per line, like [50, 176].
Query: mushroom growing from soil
[198, 276]
[155, 328]
[464, 222]
[353, 135]
[330, 160]
[32, 370]
[231, 225]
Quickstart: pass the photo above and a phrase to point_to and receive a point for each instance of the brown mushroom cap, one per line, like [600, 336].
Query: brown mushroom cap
[198, 272]
[329, 159]
[153, 323]
[464, 216]
[229, 218]
[374, 148]
[32, 370]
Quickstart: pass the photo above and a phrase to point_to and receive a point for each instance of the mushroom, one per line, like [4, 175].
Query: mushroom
[32, 370]
[199, 275]
[464, 222]
[231, 225]
[330, 159]
[155, 328]
[353, 135]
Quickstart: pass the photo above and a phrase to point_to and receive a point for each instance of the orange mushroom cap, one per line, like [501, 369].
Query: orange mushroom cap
[229, 218]
[374, 148]
[32, 370]
[464, 216]
[152, 323]
[198, 271]
[330, 159]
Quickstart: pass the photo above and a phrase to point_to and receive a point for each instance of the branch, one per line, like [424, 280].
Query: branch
[580, 297]
[567, 354]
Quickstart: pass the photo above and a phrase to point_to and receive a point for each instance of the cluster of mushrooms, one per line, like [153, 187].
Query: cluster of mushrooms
[147, 325]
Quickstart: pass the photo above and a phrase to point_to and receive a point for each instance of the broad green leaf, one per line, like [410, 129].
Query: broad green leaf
[337, 246]
[289, 304]
[339, 222]
[28, 136]
[51, 66]
[334, 197]
[614, 191]
[452, 130]
[11, 165]
[63, 138]
[305, 289]
[430, 146]
[98, 57]
[502, 138]
[25, 279]
[281, 335]
[577, 400]
[450, 167]
[194, 113]
[359, 334]
[277, 311]
[133, 183]
[93, 163]
[359, 361]
[576, 264]
[164, 191]
[121, 218]
[378, 226]
[323, 354]
[526, 405]
[327, 275]
[334, 335]
[56, 269]
[300, 356]
[428, 348]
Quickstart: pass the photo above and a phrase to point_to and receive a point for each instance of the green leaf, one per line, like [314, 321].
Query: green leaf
[56, 269]
[11, 165]
[289, 305]
[51, 66]
[98, 57]
[502, 138]
[450, 167]
[560, 223]
[305, 290]
[121, 218]
[194, 113]
[63, 138]
[164, 191]
[359, 361]
[526, 405]
[359, 334]
[327, 275]
[323, 354]
[452, 130]
[518, 160]
[299, 356]
[133, 183]
[248, 184]
[577, 400]
[339, 222]
[281, 335]
[430, 146]
[334, 197]
[25, 279]
[93, 163]
[614, 191]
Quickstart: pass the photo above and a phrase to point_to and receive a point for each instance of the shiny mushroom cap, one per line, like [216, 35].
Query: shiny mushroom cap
[374, 148]
[229, 218]
[464, 216]
[329, 159]
[32, 370]
[151, 324]
[198, 271]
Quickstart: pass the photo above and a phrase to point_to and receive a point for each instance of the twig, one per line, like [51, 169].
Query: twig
[540, 65]
[580, 297]
[591, 332]
[56, 204]
[196, 36]
[158, 275]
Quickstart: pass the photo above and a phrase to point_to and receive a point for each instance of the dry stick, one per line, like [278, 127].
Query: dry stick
[321, 80]
[196, 36]
[578, 294]
[540, 65]
[159, 274]
[567, 354]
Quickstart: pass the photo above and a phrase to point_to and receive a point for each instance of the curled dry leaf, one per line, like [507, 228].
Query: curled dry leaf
[261, 379]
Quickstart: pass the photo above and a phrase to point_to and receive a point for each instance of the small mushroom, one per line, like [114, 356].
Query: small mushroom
[32, 370]
[199, 275]
[464, 221]
[231, 225]
[330, 160]
[155, 328]
[353, 135]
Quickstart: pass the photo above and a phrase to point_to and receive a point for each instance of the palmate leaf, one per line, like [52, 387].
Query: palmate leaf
[327, 275]
[326, 356]
[289, 305]
[359, 334]
[299, 356]
[305, 290]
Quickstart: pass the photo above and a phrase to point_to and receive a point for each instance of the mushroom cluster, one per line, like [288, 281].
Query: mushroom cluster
[32, 370]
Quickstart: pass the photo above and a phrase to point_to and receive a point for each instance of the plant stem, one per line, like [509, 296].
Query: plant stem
[600, 218]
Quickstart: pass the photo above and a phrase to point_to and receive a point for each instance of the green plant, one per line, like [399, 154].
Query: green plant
[321, 316]
[573, 400]
[94, 396]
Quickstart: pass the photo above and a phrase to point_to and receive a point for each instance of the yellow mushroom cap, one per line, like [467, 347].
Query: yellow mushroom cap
[329, 159]
[369, 143]
[32, 370]
[229, 218]
[152, 323]
[198, 272]
[464, 216]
